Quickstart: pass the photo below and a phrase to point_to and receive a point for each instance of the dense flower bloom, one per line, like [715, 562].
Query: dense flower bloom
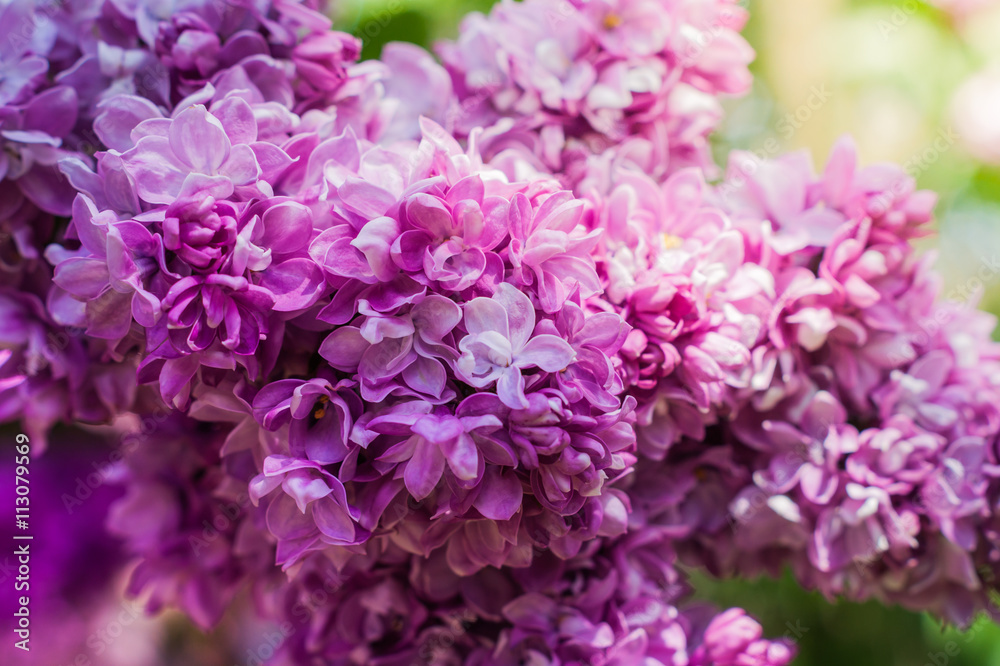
[476, 350]
[613, 605]
[50, 373]
[863, 470]
[417, 244]
[558, 81]
[190, 520]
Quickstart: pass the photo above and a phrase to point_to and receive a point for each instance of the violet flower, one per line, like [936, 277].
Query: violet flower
[500, 345]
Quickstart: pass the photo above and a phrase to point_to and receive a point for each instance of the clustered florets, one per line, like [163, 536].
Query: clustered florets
[478, 349]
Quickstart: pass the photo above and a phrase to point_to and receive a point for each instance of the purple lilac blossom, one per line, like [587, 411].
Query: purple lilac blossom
[615, 603]
[476, 348]
[450, 398]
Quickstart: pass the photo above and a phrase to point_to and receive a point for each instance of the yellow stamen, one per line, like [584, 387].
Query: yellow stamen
[612, 21]
[671, 242]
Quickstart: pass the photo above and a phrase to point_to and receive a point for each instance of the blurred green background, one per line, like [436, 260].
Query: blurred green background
[886, 72]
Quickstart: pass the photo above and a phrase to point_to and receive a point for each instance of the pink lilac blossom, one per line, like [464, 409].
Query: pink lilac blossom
[863, 471]
[476, 349]
[558, 82]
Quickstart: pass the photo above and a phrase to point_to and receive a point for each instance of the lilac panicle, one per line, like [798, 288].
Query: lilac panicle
[476, 348]
[557, 82]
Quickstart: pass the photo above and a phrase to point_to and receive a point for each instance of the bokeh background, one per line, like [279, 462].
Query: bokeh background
[914, 82]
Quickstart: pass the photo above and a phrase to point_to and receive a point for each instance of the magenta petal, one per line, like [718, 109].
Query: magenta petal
[48, 189]
[436, 316]
[296, 284]
[201, 186]
[272, 160]
[241, 167]
[510, 388]
[463, 456]
[262, 485]
[285, 521]
[426, 375]
[325, 441]
[81, 178]
[110, 315]
[532, 611]
[485, 314]
[365, 198]
[237, 119]
[305, 489]
[82, 276]
[424, 469]
[430, 214]
[344, 348]
[548, 352]
[520, 313]
[175, 378]
[334, 521]
[158, 175]
[270, 405]
[198, 139]
[145, 308]
[470, 188]
[53, 111]
[375, 241]
[501, 494]
[119, 116]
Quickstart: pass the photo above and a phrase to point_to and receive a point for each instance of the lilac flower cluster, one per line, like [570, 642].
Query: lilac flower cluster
[608, 605]
[559, 83]
[869, 418]
[475, 350]
[825, 411]
[615, 601]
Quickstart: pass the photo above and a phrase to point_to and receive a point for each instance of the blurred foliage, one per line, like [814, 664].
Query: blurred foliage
[423, 22]
[845, 633]
[890, 88]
